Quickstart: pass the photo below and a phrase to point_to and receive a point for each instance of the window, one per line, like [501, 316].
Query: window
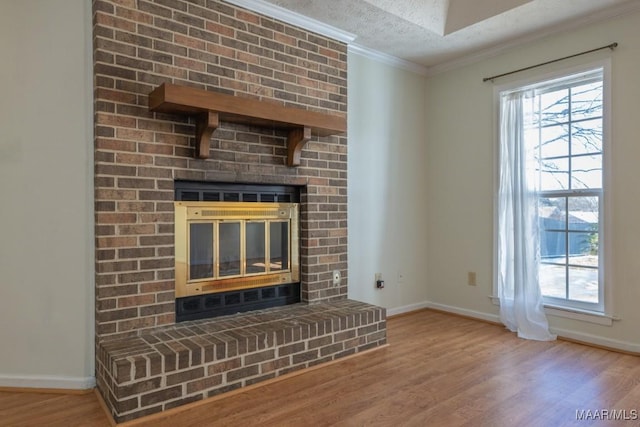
[562, 128]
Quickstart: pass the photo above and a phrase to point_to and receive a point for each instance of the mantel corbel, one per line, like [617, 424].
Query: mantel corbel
[296, 140]
[206, 124]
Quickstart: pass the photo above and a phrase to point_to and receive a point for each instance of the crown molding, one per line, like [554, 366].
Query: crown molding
[310, 24]
[481, 55]
[294, 18]
[384, 58]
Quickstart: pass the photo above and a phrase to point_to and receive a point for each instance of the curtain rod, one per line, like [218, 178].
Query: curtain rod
[611, 46]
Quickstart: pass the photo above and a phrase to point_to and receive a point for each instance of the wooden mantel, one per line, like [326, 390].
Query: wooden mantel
[209, 108]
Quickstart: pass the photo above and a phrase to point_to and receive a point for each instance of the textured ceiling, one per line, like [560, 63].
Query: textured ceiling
[433, 32]
[445, 16]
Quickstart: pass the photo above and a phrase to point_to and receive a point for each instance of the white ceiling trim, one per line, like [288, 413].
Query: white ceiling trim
[294, 18]
[481, 55]
[310, 24]
[387, 59]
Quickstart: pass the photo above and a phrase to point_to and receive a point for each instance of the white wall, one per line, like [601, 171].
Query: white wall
[387, 205]
[46, 193]
[404, 149]
[460, 173]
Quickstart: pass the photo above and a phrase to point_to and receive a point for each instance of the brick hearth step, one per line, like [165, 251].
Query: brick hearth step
[166, 367]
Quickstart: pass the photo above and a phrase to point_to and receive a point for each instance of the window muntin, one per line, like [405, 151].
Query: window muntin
[566, 135]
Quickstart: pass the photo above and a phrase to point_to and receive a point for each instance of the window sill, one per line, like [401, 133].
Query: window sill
[582, 315]
[572, 313]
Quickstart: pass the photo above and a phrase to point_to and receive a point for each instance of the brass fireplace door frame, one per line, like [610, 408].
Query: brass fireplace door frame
[187, 213]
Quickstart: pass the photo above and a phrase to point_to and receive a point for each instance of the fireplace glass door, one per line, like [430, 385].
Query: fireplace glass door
[278, 248]
[255, 243]
[251, 238]
[201, 250]
[235, 247]
[230, 248]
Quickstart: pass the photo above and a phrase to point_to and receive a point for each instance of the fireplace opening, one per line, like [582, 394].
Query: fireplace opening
[236, 248]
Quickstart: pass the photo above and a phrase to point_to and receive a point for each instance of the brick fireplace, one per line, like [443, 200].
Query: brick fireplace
[145, 361]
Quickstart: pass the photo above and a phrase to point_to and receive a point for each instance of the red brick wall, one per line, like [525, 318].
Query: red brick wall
[139, 44]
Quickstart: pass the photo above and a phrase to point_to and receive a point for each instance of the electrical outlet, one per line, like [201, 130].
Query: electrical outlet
[379, 281]
[471, 279]
[337, 279]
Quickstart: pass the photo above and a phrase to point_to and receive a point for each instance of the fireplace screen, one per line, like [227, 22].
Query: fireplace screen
[222, 246]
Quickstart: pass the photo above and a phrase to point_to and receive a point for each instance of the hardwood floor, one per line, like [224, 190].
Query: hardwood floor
[51, 409]
[439, 370]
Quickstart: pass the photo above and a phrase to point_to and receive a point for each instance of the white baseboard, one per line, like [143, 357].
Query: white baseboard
[449, 309]
[565, 333]
[407, 308]
[597, 340]
[464, 312]
[47, 382]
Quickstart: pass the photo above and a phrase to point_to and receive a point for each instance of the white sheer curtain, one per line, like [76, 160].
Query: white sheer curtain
[521, 308]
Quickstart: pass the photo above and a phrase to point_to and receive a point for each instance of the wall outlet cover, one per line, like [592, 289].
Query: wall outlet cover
[337, 278]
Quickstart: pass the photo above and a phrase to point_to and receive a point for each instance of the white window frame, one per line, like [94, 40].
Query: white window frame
[603, 313]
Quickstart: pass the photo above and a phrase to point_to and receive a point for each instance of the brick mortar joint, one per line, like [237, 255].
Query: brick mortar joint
[206, 365]
[185, 395]
[134, 109]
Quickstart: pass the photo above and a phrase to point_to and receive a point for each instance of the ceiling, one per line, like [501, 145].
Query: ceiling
[431, 33]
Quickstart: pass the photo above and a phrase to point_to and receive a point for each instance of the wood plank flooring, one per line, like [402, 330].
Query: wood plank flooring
[51, 409]
[439, 370]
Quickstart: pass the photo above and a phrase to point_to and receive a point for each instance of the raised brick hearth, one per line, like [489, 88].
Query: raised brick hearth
[139, 155]
[172, 366]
